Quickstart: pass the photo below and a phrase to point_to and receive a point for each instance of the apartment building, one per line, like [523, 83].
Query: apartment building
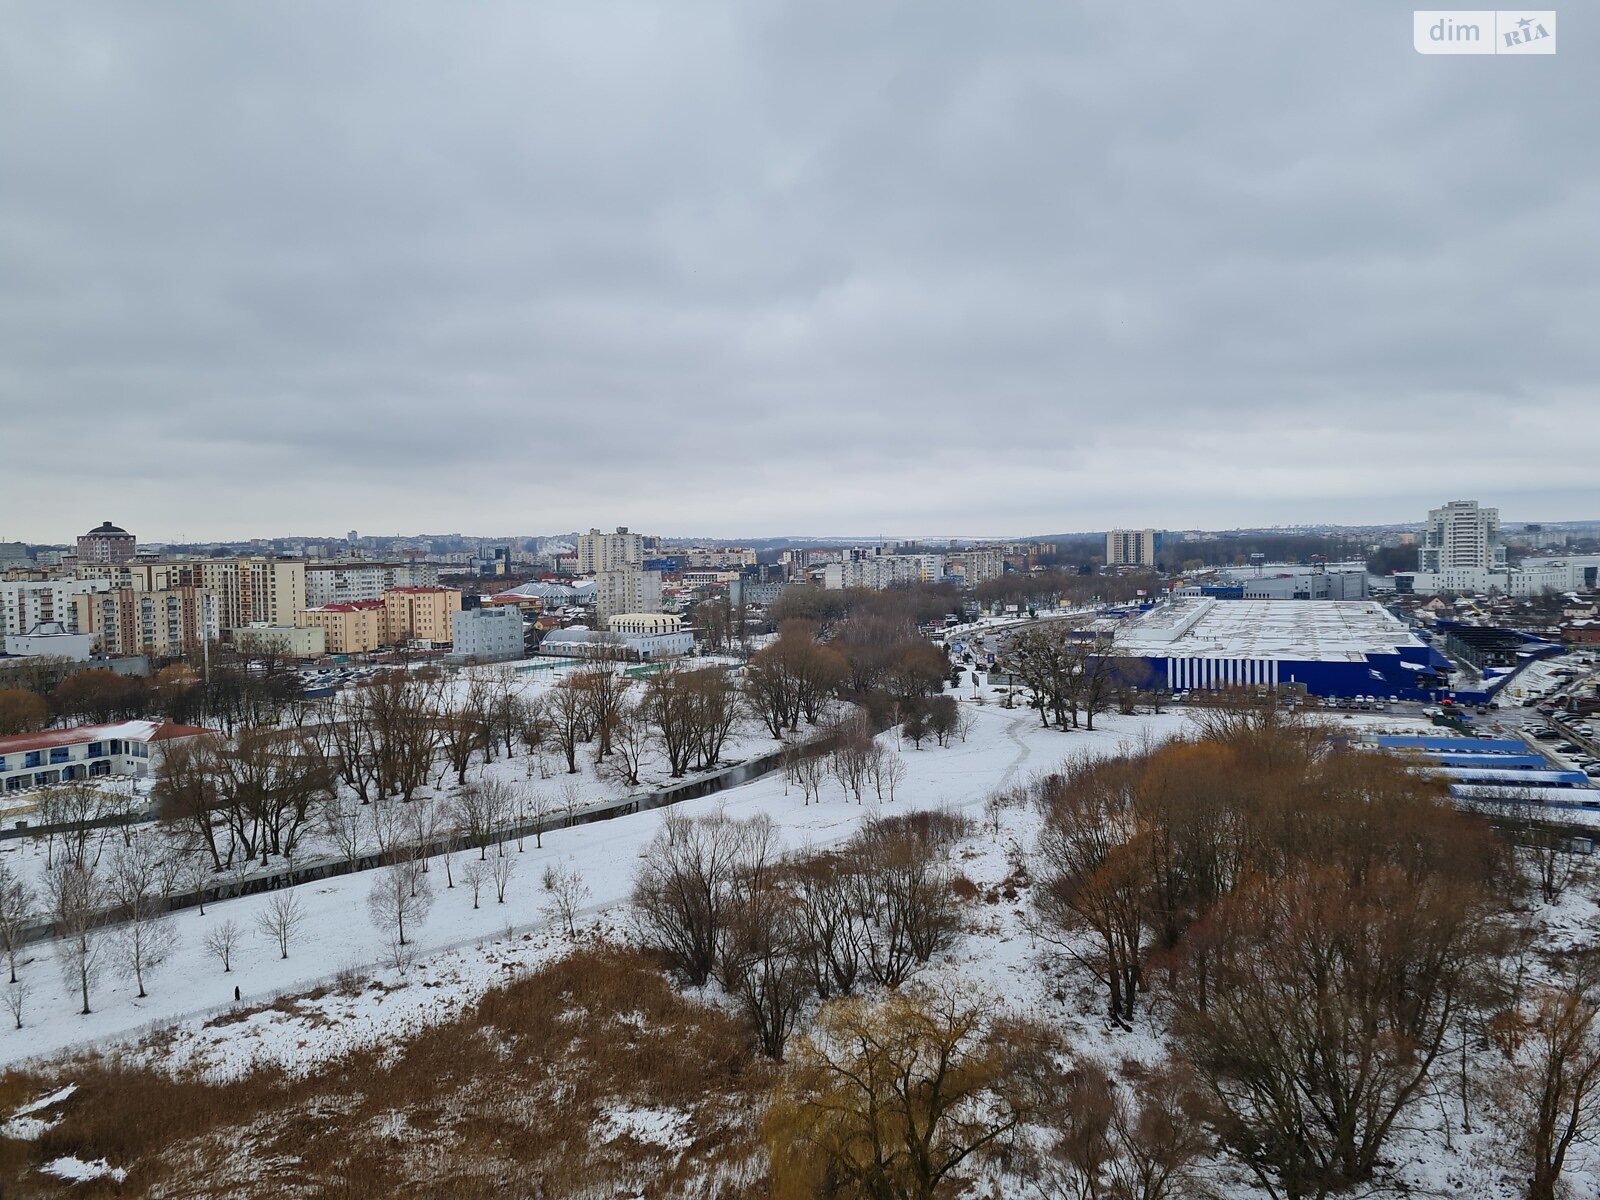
[979, 563]
[420, 614]
[610, 551]
[626, 591]
[27, 603]
[1133, 547]
[107, 543]
[249, 590]
[340, 582]
[348, 627]
[878, 571]
[162, 622]
[1461, 536]
[487, 634]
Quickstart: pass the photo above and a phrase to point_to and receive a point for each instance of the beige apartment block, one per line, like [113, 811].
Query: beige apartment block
[164, 623]
[420, 614]
[351, 627]
[249, 591]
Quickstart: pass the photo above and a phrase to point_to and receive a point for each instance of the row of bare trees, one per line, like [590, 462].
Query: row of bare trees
[1070, 675]
[717, 900]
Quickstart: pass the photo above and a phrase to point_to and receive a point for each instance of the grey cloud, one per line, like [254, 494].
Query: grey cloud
[768, 266]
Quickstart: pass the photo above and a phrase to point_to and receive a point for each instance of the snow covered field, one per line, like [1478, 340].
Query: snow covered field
[462, 950]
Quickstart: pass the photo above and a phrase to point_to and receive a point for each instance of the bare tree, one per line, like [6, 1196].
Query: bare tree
[501, 868]
[684, 894]
[1552, 1080]
[16, 997]
[475, 874]
[281, 920]
[567, 893]
[537, 807]
[16, 906]
[605, 691]
[567, 712]
[347, 825]
[135, 885]
[631, 738]
[78, 897]
[222, 941]
[400, 895]
[480, 809]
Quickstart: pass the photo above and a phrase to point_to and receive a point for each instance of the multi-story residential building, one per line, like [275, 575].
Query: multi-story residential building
[249, 591]
[348, 627]
[876, 570]
[718, 557]
[609, 551]
[336, 582]
[1463, 536]
[419, 614]
[628, 590]
[107, 543]
[487, 634]
[1133, 547]
[164, 623]
[27, 603]
[979, 563]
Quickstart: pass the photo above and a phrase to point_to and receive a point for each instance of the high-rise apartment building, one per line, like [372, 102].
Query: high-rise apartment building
[1461, 535]
[1133, 547]
[628, 590]
[107, 543]
[249, 591]
[609, 551]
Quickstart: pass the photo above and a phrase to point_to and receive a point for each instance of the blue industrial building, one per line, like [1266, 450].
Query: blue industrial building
[1326, 647]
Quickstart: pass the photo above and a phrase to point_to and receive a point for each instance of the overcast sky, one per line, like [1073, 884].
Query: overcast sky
[763, 268]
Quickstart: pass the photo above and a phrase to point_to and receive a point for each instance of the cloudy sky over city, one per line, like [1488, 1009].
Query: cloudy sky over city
[770, 268]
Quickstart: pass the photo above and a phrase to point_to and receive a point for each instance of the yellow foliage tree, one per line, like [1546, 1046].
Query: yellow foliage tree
[885, 1099]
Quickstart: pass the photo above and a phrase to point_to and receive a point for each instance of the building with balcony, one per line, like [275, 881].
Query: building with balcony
[164, 623]
[1133, 547]
[420, 614]
[487, 634]
[350, 627]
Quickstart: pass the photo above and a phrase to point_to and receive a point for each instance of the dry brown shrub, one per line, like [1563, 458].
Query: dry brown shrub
[504, 1100]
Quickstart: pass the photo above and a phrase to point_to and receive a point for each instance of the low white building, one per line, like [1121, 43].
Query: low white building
[590, 643]
[296, 641]
[51, 640]
[487, 634]
[86, 752]
[647, 623]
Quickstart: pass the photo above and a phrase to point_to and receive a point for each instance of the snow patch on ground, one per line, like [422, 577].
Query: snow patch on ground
[75, 1170]
[658, 1126]
[23, 1125]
